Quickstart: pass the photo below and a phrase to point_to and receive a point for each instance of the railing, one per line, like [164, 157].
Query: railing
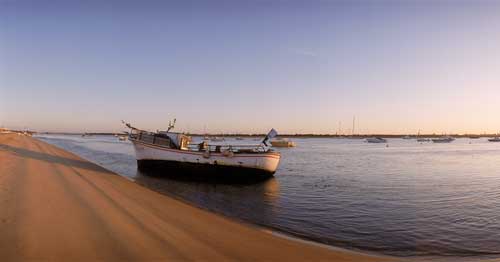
[203, 147]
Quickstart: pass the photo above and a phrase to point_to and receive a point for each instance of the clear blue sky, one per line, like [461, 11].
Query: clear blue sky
[247, 66]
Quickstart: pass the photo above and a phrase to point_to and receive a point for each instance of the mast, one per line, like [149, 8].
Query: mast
[353, 123]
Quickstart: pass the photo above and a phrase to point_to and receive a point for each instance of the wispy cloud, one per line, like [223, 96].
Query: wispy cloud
[303, 52]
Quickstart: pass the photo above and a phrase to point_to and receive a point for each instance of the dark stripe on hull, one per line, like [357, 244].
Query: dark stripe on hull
[202, 172]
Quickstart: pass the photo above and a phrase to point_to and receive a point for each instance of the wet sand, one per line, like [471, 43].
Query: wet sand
[56, 206]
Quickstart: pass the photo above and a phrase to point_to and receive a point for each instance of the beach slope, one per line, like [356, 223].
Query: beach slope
[57, 206]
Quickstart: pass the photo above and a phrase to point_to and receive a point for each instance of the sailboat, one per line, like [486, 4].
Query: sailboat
[443, 139]
[422, 139]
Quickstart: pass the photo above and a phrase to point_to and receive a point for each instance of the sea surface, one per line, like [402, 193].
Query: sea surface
[407, 199]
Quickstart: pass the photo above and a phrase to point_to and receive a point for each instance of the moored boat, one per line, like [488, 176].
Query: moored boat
[376, 140]
[422, 139]
[178, 156]
[282, 142]
[444, 139]
[494, 139]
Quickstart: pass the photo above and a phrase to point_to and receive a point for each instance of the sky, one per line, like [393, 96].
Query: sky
[248, 66]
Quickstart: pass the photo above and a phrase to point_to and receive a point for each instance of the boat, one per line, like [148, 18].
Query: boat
[282, 142]
[239, 138]
[177, 155]
[422, 139]
[376, 140]
[494, 139]
[122, 138]
[217, 139]
[407, 137]
[443, 139]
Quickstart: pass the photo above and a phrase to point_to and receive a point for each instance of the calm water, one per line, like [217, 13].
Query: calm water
[408, 199]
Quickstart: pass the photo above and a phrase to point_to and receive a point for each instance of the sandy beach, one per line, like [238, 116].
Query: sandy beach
[57, 206]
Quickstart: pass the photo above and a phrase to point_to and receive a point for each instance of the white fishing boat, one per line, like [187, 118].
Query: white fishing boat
[444, 139]
[282, 142]
[376, 140]
[122, 138]
[494, 139]
[176, 154]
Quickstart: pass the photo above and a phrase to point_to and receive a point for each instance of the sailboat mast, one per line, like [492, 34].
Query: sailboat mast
[353, 124]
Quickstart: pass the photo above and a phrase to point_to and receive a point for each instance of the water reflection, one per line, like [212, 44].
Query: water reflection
[228, 199]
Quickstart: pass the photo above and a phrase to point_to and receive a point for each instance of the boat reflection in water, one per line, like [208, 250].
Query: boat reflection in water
[245, 202]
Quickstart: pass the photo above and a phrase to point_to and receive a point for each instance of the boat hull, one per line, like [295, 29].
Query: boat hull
[202, 172]
[191, 164]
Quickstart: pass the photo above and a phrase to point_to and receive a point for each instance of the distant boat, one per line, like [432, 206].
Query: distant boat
[217, 139]
[495, 139]
[122, 138]
[376, 140]
[422, 139]
[239, 138]
[407, 137]
[282, 142]
[444, 139]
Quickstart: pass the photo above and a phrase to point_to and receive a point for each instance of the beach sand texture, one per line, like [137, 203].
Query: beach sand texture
[57, 206]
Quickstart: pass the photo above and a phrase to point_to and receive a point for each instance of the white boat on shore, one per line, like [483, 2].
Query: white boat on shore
[376, 140]
[282, 142]
[444, 139]
[176, 154]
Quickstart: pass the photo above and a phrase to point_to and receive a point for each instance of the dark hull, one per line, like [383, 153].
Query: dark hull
[202, 172]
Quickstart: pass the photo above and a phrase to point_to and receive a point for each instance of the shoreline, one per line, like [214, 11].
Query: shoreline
[47, 191]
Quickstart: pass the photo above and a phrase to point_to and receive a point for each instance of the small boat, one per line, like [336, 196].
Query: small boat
[239, 138]
[282, 142]
[422, 139]
[175, 154]
[376, 140]
[494, 139]
[217, 139]
[444, 139]
[407, 137]
[122, 138]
